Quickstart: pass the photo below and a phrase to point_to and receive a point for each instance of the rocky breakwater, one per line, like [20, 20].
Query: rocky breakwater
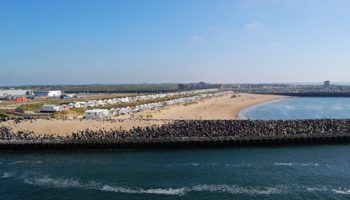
[189, 133]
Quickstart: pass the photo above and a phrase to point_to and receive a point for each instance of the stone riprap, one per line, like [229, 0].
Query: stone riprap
[192, 131]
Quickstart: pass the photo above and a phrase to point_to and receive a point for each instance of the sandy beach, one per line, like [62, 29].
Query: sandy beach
[225, 107]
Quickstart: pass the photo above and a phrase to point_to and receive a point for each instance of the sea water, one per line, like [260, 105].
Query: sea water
[300, 108]
[290, 172]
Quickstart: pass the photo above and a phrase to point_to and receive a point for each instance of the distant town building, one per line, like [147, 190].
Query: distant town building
[326, 84]
[50, 93]
[13, 94]
[68, 96]
[200, 85]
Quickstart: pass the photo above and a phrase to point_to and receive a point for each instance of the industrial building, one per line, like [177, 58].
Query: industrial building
[13, 94]
[326, 84]
[200, 85]
[50, 93]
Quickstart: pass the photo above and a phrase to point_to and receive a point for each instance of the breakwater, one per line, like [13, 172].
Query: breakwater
[189, 133]
[311, 94]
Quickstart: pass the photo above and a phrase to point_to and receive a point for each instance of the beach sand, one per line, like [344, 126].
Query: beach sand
[225, 107]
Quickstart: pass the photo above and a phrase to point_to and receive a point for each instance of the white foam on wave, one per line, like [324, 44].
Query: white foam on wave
[164, 191]
[283, 164]
[309, 164]
[317, 189]
[234, 189]
[297, 164]
[238, 165]
[338, 107]
[24, 162]
[46, 181]
[8, 175]
[341, 191]
[235, 165]
[16, 162]
[72, 183]
[191, 164]
[59, 183]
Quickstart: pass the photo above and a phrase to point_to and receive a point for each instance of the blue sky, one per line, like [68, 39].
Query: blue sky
[163, 41]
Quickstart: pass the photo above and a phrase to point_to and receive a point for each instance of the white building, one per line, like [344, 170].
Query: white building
[50, 108]
[15, 93]
[96, 114]
[50, 93]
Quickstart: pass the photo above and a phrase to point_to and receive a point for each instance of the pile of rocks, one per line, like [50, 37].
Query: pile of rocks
[193, 130]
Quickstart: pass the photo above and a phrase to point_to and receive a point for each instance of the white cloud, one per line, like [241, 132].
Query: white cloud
[253, 25]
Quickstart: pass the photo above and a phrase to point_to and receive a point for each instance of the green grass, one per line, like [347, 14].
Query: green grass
[190, 103]
[70, 112]
[30, 107]
[3, 114]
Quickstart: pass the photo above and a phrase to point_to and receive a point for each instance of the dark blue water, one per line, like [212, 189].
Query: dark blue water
[296, 172]
[300, 108]
[251, 173]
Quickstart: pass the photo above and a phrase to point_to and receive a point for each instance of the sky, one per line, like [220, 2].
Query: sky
[172, 41]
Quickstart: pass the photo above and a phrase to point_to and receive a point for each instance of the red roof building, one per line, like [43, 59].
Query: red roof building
[21, 99]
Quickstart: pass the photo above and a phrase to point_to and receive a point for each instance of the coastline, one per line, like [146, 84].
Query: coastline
[219, 108]
[243, 111]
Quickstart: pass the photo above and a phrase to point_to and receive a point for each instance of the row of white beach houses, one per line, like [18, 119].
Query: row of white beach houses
[98, 114]
[114, 101]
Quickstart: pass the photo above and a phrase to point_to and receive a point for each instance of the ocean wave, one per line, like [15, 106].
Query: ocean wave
[235, 189]
[238, 165]
[235, 165]
[24, 162]
[16, 162]
[297, 164]
[164, 191]
[309, 164]
[338, 107]
[8, 175]
[57, 183]
[46, 181]
[191, 164]
[317, 189]
[232, 189]
[341, 191]
[283, 164]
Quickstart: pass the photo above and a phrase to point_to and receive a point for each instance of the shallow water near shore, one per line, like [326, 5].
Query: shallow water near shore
[300, 108]
[291, 172]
